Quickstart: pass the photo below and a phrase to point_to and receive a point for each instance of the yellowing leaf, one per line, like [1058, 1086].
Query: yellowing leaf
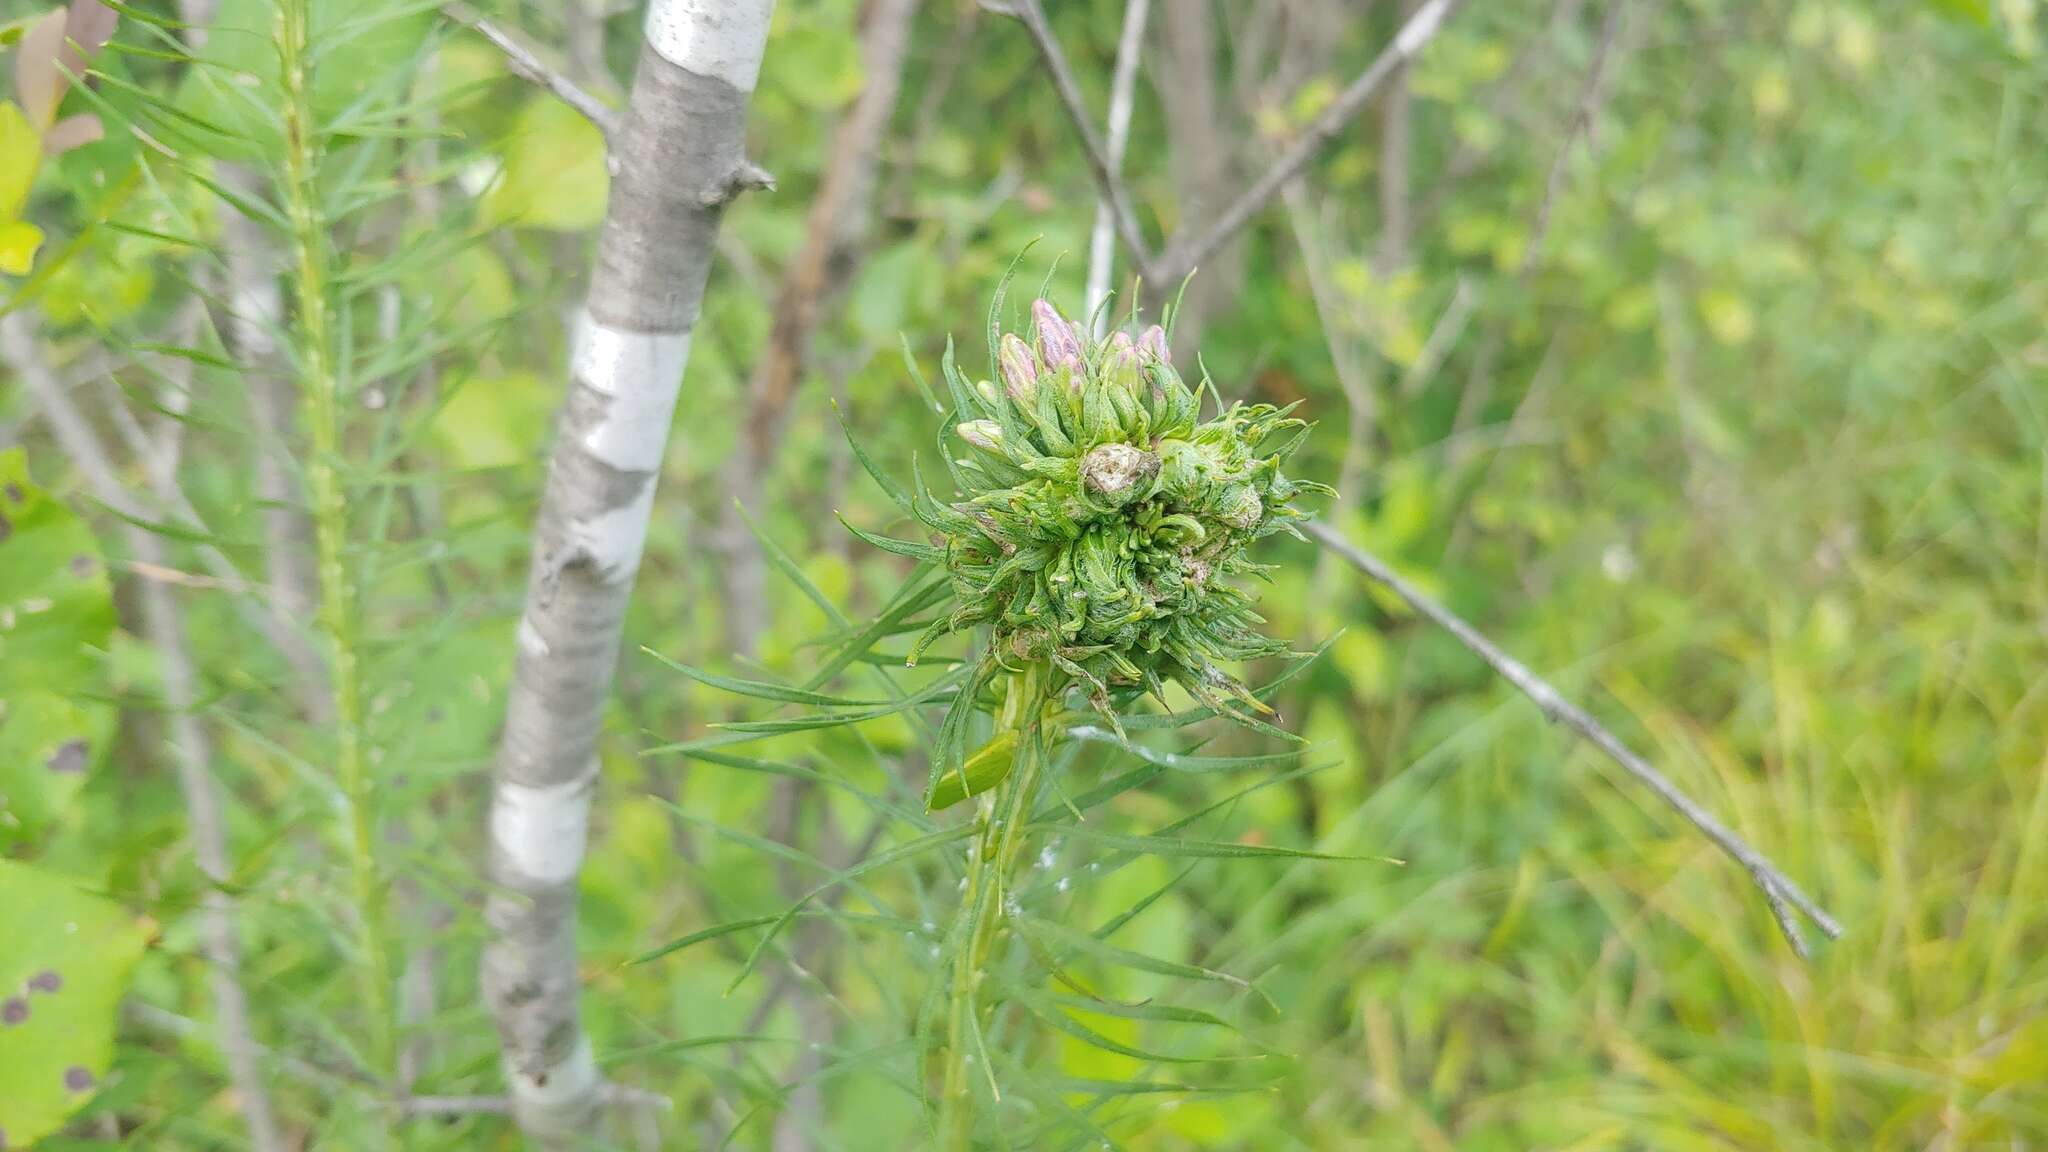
[19, 241]
[1728, 317]
[21, 153]
[1771, 95]
[554, 175]
[1855, 41]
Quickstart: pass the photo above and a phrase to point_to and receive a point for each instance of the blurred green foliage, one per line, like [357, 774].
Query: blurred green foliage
[1756, 466]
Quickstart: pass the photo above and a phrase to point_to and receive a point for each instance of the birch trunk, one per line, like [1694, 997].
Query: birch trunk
[677, 159]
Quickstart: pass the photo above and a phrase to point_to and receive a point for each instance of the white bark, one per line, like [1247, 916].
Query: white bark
[677, 158]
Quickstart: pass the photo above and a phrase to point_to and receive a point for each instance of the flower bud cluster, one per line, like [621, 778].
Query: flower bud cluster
[1100, 519]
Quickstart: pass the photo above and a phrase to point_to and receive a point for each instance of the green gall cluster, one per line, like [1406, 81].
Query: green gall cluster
[1099, 520]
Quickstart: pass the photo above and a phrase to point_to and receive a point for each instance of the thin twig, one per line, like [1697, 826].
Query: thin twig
[1032, 16]
[531, 68]
[1443, 335]
[1778, 889]
[1181, 259]
[1123, 84]
[616, 1095]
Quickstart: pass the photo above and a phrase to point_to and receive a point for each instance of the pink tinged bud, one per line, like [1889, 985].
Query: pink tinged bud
[1122, 354]
[1152, 345]
[986, 435]
[1019, 369]
[1075, 371]
[1057, 339]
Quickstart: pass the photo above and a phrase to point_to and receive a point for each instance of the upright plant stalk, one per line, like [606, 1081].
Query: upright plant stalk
[337, 600]
[992, 861]
[677, 158]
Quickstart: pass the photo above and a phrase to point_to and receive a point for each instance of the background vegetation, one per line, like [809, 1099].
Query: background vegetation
[1692, 349]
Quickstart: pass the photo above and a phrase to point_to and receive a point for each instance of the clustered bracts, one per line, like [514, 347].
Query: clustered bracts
[1101, 520]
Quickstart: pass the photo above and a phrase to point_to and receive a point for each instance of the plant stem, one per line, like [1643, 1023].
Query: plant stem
[337, 609]
[991, 860]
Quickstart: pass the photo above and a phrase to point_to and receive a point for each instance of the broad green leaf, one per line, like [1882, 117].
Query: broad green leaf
[63, 969]
[56, 617]
[554, 175]
[49, 744]
[56, 607]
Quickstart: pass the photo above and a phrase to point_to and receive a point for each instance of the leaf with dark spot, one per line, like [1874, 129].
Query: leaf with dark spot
[70, 757]
[55, 1049]
[58, 607]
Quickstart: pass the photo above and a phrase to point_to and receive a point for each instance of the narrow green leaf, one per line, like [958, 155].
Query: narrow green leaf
[1087, 945]
[761, 689]
[916, 551]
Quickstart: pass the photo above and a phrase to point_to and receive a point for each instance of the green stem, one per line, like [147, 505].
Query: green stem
[337, 609]
[990, 864]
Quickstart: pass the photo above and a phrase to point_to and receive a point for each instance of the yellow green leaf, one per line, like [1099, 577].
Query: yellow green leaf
[21, 152]
[19, 241]
[554, 175]
[63, 968]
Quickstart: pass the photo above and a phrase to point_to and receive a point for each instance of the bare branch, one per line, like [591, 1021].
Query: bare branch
[1778, 889]
[1443, 336]
[531, 68]
[614, 1095]
[1032, 16]
[1421, 28]
[1123, 84]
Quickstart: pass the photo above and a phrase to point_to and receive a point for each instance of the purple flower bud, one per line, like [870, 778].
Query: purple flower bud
[1020, 370]
[1057, 339]
[1152, 345]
